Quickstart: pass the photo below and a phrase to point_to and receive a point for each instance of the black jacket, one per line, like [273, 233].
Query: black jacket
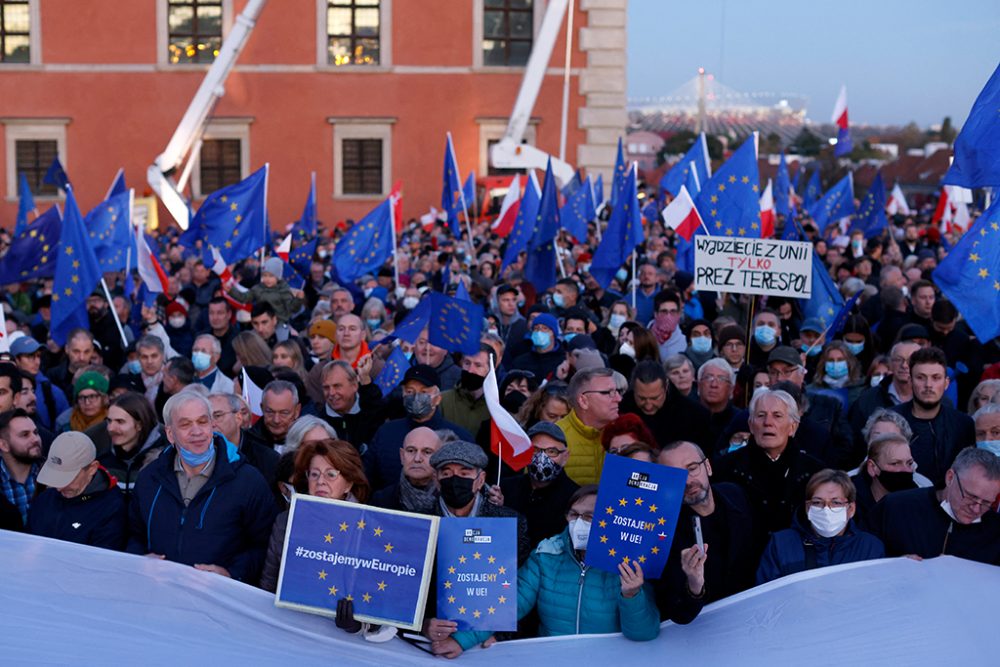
[680, 418]
[936, 442]
[542, 364]
[96, 517]
[358, 429]
[544, 508]
[260, 455]
[870, 400]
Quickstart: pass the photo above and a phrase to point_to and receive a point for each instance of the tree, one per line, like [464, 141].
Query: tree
[948, 132]
[771, 143]
[806, 143]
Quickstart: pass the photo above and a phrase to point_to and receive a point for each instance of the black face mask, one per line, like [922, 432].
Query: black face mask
[513, 401]
[471, 381]
[456, 492]
[896, 481]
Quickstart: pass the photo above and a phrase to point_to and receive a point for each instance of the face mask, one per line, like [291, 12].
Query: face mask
[457, 491]
[541, 339]
[559, 300]
[134, 367]
[418, 406]
[374, 324]
[323, 253]
[176, 322]
[906, 291]
[616, 320]
[877, 380]
[836, 369]
[621, 275]
[410, 302]
[811, 351]
[895, 481]
[668, 321]
[627, 349]
[201, 361]
[471, 381]
[243, 316]
[196, 459]
[990, 446]
[701, 344]
[855, 348]
[764, 335]
[513, 401]
[543, 469]
[579, 533]
[828, 521]
[739, 444]
[520, 303]
[408, 355]
[567, 337]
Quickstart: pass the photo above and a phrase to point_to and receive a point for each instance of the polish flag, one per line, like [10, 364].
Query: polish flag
[396, 199]
[681, 215]
[428, 219]
[959, 216]
[4, 338]
[219, 267]
[897, 202]
[767, 212]
[150, 271]
[942, 214]
[252, 394]
[508, 209]
[284, 248]
[507, 439]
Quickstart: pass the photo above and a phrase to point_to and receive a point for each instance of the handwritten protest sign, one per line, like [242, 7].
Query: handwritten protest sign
[635, 515]
[753, 266]
[380, 559]
[477, 573]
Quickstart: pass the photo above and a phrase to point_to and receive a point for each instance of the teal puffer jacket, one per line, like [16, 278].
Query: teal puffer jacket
[575, 599]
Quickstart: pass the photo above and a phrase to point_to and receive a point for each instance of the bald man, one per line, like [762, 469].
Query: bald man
[416, 490]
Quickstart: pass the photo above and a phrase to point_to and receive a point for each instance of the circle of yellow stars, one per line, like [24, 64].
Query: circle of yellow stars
[734, 181]
[345, 527]
[462, 609]
[650, 527]
[976, 260]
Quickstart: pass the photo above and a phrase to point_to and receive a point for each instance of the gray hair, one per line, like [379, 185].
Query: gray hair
[994, 384]
[216, 345]
[181, 399]
[376, 307]
[150, 341]
[621, 382]
[232, 400]
[675, 361]
[988, 409]
[885, 415]
[783, 396]
[302, 426]
[280, 387]
[719, 365]
[352, 375]
[198, 388]
[446, 435]
[582, 378]
[970, 457]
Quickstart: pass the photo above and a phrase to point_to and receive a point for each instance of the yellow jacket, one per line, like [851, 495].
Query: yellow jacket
[586, 455]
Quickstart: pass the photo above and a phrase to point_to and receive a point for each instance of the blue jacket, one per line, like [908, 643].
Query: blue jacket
[227, 524]
[381, 459]
[786, 552]
[576, 599]
[96, 517]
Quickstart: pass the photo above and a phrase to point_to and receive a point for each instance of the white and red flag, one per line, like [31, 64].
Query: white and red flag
[681, 214]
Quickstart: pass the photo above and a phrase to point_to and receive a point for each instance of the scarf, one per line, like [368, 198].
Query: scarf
[362, 351]
[78, 422]
[415, 499]
[152, 384]
[664, 326]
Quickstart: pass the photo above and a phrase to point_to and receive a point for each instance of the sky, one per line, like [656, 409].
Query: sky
[902, 60]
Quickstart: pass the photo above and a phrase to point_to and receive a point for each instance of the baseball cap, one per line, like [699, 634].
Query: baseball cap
[549, 429]
[70, 453]
[813, 324]
[423, 374]
[24, 345]
[784, 354]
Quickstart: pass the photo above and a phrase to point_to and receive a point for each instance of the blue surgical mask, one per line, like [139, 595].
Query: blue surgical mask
[558, 300]
[408, 355]
[374, 324]
[195, 460]
[990, 446]
[855, 348]
[621, 275]
[701, 344]
[567, 337]
[134, 367]
[810, 350]
[836, 369]
[616, 320]
[764, 335]
[541, 339]
[877, 380]
[201, 361]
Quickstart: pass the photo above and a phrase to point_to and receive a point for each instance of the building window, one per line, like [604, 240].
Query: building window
[353, 32]
[194, 31]
[33, 158]
[30, 145]
[508, 29]
[362, 156]
[15, 31]
[221, 164]
[361, 169]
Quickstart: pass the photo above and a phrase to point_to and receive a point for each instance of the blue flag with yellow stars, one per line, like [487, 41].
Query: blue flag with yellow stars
[599, 190]
[635, 515]
[871, 216]
[454, 324]
[108, 229]
[782, 189]
[367, 245]
[577, 212]
[56, 175]
[452, 195]
[77, 274]
[825, 301]
[234, 219]
[477, 573]
[392, 373]
[695, 163]
[970, 275]
[623, 234]
[524, 223]
[729, 202]
[837, 203]
[379, 559]
[618, 178]
[814, 190]
[25, 204]
[977, 147]
[540, 265]
[306, 225]
[32, 253]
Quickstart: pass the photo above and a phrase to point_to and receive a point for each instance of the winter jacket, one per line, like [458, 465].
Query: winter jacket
[799, 548]
[126, 470]
[573, 598]
[357, 428]
[280, 297]
[96, 517]
[936, 442]
[227, 523]
[679, 418]
[542, 364]
[586, 454]
[461, 407]
[382, 464]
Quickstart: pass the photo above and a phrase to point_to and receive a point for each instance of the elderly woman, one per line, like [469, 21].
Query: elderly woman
[571, 598]
[823, 534]
[680, 372]
[325, 469]
[985, 391]
[626, 430]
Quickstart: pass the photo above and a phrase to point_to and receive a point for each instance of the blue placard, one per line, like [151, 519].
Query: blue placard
[477, 573]
[635, 515]
[381, 559]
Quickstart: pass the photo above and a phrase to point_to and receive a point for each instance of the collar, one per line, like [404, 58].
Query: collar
[446, 511]
[355, 409]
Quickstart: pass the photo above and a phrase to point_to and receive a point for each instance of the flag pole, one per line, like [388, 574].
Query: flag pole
[114, 313]
[461, 195]
[633, 280]
[5, 340]
[395, 258]
[565, 91]
[559, 258]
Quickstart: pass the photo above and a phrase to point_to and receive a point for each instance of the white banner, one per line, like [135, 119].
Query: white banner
[753, 266]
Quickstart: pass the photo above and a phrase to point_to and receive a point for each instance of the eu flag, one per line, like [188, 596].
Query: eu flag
[454, 324]
[792, 230]
[367, 245]
[825, 300]
[729, 202]
[841, 319]
[108, 229]
[524, 223]
[837, 203]
[32, 253]
[619, 176]
[461, 292]
[782, 189]
[635, 515]
[871, 216]
[814, 190]
[452, 198]
[574, 184]
[477, 573]
[307, 223]
[300, 258]
[117, 185]
[469, 188]
[977, 147]
[540, 265]
[970, 274]
[379, 559]
[56, 175]
[623, 234]
[415, 322]
[598, 191]
[234, 218]
[25, 205]
[693, 183]
[392, 373]
[695, 160]
[77, 274]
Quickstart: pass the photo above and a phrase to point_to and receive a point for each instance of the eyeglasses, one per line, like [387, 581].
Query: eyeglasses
[667, 311]
[220, 414]
[692, 468]
[817, 504]
[88, 398]
[284, 414]
[971, 500]
[551, 452]
[330, 475]
[733, 345]
[715, 379]
[606, 392]
[573, 515]
[900, 361]
[783, 373]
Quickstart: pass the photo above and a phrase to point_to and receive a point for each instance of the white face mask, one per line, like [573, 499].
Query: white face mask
[579, 533]
[877, 380]
[627, 349]
[828, 522]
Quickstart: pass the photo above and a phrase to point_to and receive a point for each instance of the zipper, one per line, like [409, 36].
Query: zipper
[579, 595]
[180, 533]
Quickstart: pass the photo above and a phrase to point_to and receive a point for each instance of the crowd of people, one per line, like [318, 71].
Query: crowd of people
[804, 447]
